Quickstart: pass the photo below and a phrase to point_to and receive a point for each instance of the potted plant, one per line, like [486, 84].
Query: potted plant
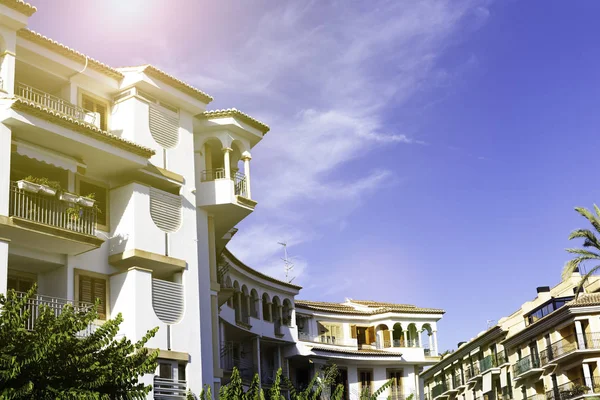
[87, 201]
[68, 197]
[39, 185]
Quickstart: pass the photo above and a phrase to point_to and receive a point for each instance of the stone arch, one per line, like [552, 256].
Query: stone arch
[254, 302]
[413, 335]
[426, 338]
[213, 167]
[287, 312]
[266, 307]
[398, 335]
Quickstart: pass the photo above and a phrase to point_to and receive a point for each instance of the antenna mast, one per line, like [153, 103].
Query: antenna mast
[288, 266]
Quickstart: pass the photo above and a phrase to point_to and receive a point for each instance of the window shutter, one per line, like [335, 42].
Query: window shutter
[101, 109]
[353, 331]
[370, 334]
[164, 126]
[85, 289]
[386, 336]
[165, 210]
[100, 293]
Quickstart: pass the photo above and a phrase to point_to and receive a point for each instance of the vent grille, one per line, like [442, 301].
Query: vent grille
[164, 127]
[167, 300]
[165, 210]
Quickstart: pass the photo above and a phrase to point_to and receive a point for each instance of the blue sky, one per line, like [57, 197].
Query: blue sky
[426, 152]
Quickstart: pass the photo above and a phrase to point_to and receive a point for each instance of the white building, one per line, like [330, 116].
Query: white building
[170, 182]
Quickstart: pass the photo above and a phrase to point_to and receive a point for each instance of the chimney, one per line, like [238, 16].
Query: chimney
[460, 344]
[543, 289]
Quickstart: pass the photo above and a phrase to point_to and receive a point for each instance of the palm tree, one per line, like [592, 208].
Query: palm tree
[590, 242]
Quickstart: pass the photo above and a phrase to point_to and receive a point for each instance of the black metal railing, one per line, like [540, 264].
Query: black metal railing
[492, 361]
[233, 356]
[525, 364]
[574, 388]
[439, 389]
[570, 344]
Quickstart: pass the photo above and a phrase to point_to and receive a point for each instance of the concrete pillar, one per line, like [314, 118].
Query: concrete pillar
[5, 151]
[280, 313]
[430, 343]
[238, 305]
[7, 72]
[214, 308]
[258, 360]
[248, 307]
[246, 157]
[227, 162]
[434, 351]
[3, 265]
[293, 317]
[587, 376]
[419, 344]
[580, 335]
[259, 308]
[269, 316]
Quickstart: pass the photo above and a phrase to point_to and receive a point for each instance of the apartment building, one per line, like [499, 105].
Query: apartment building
[548, 349]
[117, 184]
[264, 328]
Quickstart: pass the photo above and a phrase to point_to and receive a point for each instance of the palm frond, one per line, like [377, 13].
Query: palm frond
[585, 279]
[595, 221]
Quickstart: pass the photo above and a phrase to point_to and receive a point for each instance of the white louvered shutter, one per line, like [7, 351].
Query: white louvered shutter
[164, 126]
[165, 210]
[167, 300]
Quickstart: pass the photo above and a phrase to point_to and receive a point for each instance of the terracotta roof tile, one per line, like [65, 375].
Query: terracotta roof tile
[373, 307]
[373, 352]
[232, 112]
[20, 6]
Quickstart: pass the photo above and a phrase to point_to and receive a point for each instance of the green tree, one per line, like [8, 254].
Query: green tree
[54, 361]
[591, 246]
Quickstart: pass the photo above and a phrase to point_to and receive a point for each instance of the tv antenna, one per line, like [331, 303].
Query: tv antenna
[490, 323]
[288, 265]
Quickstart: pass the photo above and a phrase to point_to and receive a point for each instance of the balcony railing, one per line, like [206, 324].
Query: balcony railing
[472, 371]
[526, 364]
[405, 343]
[54, 103]
[213, 174]
[169, 389]
[396, 393]
[56, 306]
[49, 210]
[326, 339]
[574, 388]
[536, 396]
[492, 361]
[240, 187]
[439, 389]
[569, 345]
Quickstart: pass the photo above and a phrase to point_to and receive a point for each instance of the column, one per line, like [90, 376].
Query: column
[269, 312]
[430, 343]
[587, 376]
[293, 317]
[434, 351]
[580, 336]
[258, 361]
[280, 313]
[3, 265]
[238, 306]
[227, 162]
[7, 71]
[248, 308]
[5, 151]
[246, 158]
[419, 344]
[259, 307]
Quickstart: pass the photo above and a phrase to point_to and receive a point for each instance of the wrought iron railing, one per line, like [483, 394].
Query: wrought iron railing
[525, 364]
[55, 305]
[49, 210]
[568, 345]
[54, 103]
[574, 388]
[169, 389]
[222, 271]
[240, 187]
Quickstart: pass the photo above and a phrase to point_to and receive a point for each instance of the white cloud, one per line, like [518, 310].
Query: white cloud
[324, 75]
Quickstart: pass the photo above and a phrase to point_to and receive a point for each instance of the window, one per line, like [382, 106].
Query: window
[91, 104]
[546, 309]
[101, 195]
[20, 283]
[92, 288]
[365, 380]
[330, 333]
[165, 370]
[181, 371]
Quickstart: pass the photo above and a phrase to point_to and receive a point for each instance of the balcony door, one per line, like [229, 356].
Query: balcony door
[20, 283]
[396, 389]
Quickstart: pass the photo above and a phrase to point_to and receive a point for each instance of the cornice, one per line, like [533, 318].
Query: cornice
[20, 6]
[21, 104]
[235, 113]
[68, 52]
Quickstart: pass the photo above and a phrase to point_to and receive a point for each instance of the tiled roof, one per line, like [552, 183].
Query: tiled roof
[585, 299]
[159, 74]
[373, 307]
[232, 112]
[378, 353]
[82, 127]
[68, 52]
[20, 6]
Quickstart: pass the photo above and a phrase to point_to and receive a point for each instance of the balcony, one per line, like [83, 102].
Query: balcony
[165, 389]
[527, 366]
[231, 357]
[574, 389]
[439, 390]
[56, 306]
[56, 104]
[492, 362]
[54, 225]
[570, 346]
[332, 340]
[472, 372]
